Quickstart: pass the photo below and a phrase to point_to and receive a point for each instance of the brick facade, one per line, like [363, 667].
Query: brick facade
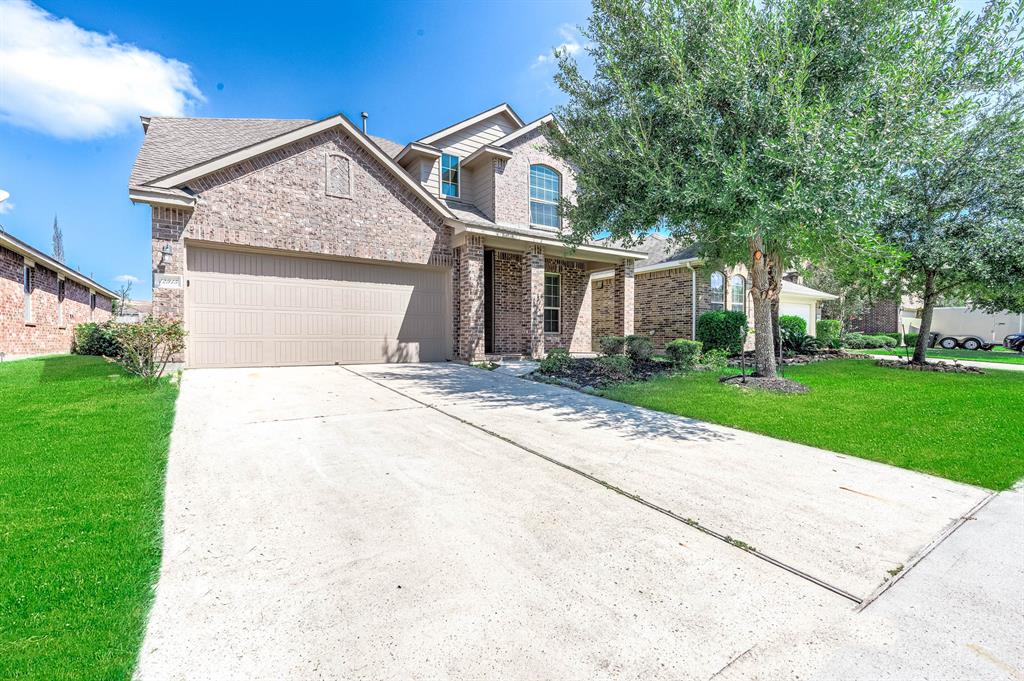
[279, 200]
[531, 291]
[469, 330]
[512, 178]
[511, 329]
[47, 333]
[882, 317]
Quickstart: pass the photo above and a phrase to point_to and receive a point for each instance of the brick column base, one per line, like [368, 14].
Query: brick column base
[533, 301]
[622, 299]
[471, 299]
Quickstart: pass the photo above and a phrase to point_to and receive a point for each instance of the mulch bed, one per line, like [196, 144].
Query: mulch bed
[585, 373]
[795, 360]
[941, 367]
[775, 385]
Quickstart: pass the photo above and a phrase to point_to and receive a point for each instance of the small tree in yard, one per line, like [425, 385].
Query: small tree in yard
[149, 346]
[751, 128]
[957, 193]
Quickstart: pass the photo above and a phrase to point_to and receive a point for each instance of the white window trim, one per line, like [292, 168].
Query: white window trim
[712, 303]
[61, 282]
[732, 294]
[558, 307]
[530, 199]
[458, 175]
[27, 285]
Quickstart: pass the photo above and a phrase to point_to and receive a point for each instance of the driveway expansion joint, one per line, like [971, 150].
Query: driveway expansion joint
[732, 541]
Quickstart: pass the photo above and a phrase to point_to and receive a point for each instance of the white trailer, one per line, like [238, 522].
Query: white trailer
[962, 327]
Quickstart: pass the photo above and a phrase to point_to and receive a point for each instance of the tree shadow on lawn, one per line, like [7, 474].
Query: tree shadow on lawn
[439, 384]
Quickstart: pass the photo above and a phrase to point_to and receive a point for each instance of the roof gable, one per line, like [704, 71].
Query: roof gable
[502, 111]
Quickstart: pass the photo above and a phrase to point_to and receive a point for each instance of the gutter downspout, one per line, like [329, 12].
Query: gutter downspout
[693, 301]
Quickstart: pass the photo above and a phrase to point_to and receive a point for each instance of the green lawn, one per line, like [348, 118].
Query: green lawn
[82, 457]
[960, 426]
[975, 355]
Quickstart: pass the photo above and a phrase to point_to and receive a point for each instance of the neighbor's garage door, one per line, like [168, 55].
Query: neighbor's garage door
[247, 309]
[803, 310]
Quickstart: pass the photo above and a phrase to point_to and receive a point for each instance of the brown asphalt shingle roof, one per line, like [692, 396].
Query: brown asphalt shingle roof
[658, 249]
[174, 144]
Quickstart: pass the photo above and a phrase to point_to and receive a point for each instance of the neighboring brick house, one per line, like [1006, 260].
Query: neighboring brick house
[673, 288]
[41, 301]
[284, 242]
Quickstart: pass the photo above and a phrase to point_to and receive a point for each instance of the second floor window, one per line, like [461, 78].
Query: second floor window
[545, 191]
[450, 175]
[716, 292]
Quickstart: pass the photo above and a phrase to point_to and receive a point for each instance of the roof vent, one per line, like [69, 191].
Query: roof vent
[365, 116]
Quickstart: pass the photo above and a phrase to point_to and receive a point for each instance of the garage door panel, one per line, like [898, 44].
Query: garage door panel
[246, 309]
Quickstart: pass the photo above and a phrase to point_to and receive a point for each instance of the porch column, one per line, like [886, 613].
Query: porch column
[622, 299]
[533, 300]
[471, 299]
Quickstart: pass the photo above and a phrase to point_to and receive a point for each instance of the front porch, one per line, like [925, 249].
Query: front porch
[520, 296]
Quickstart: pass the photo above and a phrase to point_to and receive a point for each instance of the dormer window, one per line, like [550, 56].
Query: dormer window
[450, 175]
[545, 192]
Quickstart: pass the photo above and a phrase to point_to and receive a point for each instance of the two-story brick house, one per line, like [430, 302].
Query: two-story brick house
[285, 242]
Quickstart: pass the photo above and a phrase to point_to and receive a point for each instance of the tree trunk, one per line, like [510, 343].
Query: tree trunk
[763, 290]
[921, 349]
[776, 328]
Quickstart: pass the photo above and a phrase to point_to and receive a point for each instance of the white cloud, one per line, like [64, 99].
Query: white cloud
[63, 80]
[570, 45]
[126, 279]
[5, 203]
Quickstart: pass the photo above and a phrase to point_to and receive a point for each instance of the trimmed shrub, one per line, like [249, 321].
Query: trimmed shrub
[611, 345]
[714, 360]
[722, 330]
[855, 341]
[639, 348]
[828, 332]
[557, 361]
[880, 341]
[792, 325]
[684, 353]
[96, 339]
[910, 339]
[615, 367]
[148, 346]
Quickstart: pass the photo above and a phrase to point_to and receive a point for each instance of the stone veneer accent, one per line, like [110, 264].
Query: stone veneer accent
[44, 335]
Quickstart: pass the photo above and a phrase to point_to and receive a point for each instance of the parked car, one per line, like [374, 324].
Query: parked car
[1015, 341]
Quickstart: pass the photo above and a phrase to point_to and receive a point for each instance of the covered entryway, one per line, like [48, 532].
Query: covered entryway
[248, 309]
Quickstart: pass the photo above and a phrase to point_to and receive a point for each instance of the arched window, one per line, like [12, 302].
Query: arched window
[545, 191]
[716, 294]
[739, 293]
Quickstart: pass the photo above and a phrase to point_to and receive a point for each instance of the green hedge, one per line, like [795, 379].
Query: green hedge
[722, 330]
[683, 352]
[792, 325]
[558, 360]
[639, 348]
[611, 345]
[829, 331]
[92, 338]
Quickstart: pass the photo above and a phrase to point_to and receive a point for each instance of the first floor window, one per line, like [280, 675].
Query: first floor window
[716, 294]
[92, 303]
[27, 284]
[739, 293]
[450, 175]
[552, 303]
[60, 303]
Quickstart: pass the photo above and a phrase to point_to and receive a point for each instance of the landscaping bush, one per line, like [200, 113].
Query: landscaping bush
[714, 360]
[615, 367]
[722, 330]
[792, 325]
[96, 339]
[557, 361]
[147, 347]
[639, 348]
[855, 341]
[684, 353]
[910, 339]
[611, 345]
[801, 343]
[880, 341]
[829, 331]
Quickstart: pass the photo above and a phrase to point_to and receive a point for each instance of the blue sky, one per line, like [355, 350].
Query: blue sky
[414, 66]
[74, 76]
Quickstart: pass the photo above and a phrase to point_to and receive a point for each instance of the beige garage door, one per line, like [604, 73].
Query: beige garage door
[248, 309]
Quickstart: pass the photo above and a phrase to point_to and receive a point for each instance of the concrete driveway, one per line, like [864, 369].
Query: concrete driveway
[441, 521]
